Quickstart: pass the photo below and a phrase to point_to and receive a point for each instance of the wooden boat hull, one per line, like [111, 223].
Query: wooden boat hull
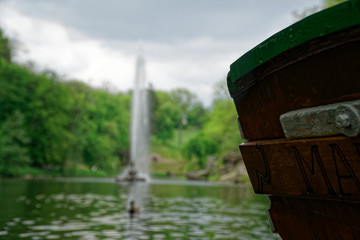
[299, 78]
[309, 218]
[313, 181]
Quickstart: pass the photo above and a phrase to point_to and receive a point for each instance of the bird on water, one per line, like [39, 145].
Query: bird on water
[133, 209]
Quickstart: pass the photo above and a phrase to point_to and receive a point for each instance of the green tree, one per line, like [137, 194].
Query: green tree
[184, 99]
[5, 47]
[188, 103]
[78, 123]
[14, 142]
[165, 115]
[200, 147]
[330, 3]
[220, 133]
[108, 137]
[48, 115]
[197, 116]
[222, 126]
[68, 123]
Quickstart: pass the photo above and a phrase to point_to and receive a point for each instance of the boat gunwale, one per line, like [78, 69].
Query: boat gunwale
[339, 17]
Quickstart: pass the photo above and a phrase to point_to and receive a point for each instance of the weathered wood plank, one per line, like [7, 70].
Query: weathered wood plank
[300, 78]
[301, 218]
[322, 167]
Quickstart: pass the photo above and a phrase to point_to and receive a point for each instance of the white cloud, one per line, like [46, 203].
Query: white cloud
[51, 45]
[196, 64]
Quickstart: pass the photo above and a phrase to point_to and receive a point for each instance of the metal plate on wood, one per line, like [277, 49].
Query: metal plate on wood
[323, 167]
[333, 119]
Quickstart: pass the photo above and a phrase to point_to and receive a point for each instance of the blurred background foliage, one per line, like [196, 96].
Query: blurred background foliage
[53, 125]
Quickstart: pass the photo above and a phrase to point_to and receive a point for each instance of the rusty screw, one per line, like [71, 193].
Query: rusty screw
[342, 120]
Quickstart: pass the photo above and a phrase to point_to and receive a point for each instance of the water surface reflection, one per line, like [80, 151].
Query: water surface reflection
[97, 209]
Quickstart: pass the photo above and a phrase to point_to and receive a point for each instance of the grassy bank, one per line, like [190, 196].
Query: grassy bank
[170, 161]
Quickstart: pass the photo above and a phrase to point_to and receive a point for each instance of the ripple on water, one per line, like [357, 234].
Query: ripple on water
[28, 222]
[33, 234]
[96, 216]
[53, 237]
[143, 237]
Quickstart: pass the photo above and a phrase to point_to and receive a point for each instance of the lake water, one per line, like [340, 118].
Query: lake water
[98, 209]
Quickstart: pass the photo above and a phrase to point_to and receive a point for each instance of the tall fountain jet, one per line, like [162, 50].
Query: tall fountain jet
[138, 169]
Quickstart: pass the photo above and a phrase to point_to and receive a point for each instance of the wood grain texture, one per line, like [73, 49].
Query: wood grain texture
[301, 218]
[320, 72]
[317, 168]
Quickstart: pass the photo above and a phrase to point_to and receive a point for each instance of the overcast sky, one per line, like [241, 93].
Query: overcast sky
[186, 43]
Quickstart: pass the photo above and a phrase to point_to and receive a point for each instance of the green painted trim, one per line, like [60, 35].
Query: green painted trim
[330, 20]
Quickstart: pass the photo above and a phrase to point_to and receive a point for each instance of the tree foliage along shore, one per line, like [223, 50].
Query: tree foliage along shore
[52, 124]
[67, 127]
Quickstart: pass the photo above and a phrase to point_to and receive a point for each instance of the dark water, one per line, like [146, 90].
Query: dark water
[97, 209]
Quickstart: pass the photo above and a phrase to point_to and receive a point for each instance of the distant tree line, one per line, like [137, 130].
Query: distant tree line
[47, 122]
